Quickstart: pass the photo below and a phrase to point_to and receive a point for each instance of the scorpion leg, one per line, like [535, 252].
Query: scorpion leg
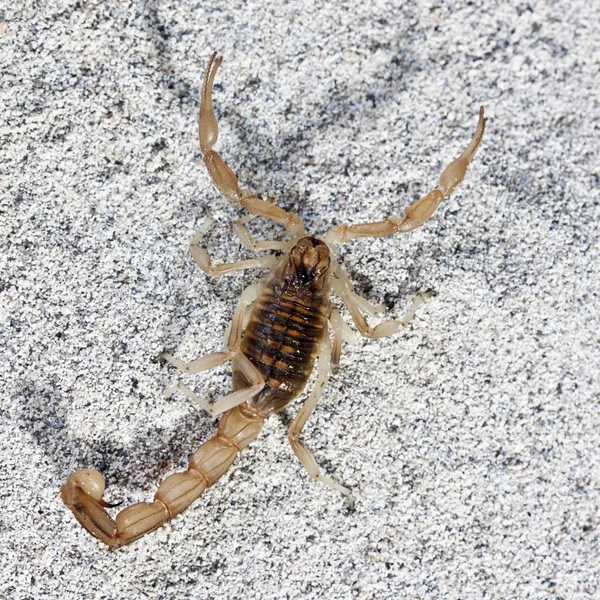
[215, 359]
[210, 361]
[304, 455]
[418, 212]
[246, 238]
[342, 333]
[357, 305]
[223, 177]
[364, 305]
[202, 258]
[203, 261]
[251, 373]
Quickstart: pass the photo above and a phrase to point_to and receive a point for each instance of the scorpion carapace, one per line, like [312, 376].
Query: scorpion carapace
[273, 349]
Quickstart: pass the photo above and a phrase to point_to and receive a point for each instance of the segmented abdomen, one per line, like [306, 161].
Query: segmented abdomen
[282, 340]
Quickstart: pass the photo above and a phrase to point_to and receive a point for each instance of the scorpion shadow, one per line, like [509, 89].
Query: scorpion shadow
[157, 30]
[280, 157]
[43, 414]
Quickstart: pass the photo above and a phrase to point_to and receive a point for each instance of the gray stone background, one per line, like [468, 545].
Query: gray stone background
[471, 440]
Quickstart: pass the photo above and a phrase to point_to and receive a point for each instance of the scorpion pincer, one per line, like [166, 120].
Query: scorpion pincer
[274, 350]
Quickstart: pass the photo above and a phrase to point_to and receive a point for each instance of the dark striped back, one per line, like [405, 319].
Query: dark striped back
[282, 340]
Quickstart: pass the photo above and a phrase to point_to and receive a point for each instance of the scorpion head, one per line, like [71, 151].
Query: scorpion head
[309, 261]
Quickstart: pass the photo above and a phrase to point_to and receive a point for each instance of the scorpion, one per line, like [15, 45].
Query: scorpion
[280, 329]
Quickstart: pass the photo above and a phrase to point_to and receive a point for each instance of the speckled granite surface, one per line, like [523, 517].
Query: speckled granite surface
[472, 441]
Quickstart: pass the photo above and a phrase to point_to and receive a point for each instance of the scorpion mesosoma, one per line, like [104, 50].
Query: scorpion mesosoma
[274, 350]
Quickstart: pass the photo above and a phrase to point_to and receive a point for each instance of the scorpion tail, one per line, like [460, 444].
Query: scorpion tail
[82, 492]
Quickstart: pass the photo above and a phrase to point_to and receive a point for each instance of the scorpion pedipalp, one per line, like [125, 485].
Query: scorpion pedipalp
[420, 210]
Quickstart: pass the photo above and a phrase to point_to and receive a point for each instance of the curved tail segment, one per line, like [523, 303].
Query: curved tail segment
[83, 490]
